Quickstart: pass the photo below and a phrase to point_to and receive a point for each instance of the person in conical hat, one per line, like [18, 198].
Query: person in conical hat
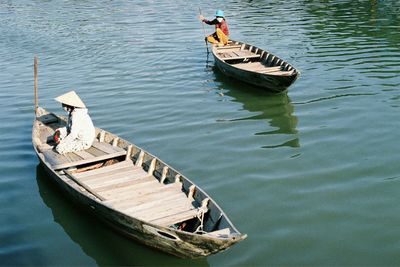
[79, 133]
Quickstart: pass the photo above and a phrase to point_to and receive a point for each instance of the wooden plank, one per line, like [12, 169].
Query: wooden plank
[120, 184]
[256, 67]
[54, 158]
[242, 57]
[106, 147]
[95, 152]
[162, 211]
[141, 191]
[105, 169]
[84, 155]
[176, 218]
[110, 173]
[160, 203]
[136, 189]
[87, 188]
[132, 202]
[115, 179]
[127, 173]
[85, 161]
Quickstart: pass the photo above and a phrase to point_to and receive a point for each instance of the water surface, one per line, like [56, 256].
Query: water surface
[312, 175]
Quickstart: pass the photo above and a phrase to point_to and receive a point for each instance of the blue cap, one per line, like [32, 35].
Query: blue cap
[219, 13]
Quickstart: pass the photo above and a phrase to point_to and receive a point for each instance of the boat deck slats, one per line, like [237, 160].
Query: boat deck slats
[116, 184]
[137, 190]
[256, 66]
[106, 169]
[165, 210]
[116, 173]
[172, 219]
[143, 196]
[99, 151]
[261, 68]
[159, 204]
[127, 204]
[239, 54]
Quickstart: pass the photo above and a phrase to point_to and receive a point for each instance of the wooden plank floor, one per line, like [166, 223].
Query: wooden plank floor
[131, 190]
[97, 152]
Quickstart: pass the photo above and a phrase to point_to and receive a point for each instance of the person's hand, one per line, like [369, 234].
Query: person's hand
[56, 137]
[201, 18]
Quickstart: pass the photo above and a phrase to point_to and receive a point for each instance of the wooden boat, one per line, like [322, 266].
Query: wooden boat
[255, 66]
[135, 192]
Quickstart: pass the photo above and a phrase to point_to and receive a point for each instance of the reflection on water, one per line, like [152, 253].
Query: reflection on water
[276, 109]
[96, 239]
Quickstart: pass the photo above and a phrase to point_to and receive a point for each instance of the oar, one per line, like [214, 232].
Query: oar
[35, 82]
[204, 30]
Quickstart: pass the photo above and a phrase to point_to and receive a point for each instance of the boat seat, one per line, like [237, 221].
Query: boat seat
[240, 54]
[97, 152]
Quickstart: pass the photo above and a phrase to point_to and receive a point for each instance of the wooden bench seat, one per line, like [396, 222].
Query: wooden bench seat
[240, 54]
[97, 152]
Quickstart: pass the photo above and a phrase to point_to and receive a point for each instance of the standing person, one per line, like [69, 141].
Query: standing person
[79, 133]
[221, 34]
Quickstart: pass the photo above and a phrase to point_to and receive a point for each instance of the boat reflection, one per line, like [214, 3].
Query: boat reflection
[276, 109]
[96, 239]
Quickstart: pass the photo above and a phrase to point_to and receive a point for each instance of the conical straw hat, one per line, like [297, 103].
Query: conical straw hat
[71, 99]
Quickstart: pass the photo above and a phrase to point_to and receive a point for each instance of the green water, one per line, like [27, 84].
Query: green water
[312, 176]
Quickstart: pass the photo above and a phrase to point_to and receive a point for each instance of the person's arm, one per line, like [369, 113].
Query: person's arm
[209, 22]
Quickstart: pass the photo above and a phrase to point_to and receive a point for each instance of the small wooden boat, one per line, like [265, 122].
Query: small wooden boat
[255, 66]
[135, 192]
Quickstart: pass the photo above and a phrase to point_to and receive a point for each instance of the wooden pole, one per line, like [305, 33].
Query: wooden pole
[204, 31]
[35, 82]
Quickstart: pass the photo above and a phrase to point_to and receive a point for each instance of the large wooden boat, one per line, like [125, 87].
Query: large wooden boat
[135, 192]
[255, 66]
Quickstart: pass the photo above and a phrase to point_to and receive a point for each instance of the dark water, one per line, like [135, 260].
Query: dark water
[312, 176]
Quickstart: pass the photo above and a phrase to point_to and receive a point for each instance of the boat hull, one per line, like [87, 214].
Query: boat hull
[178, 243]
[170, 240]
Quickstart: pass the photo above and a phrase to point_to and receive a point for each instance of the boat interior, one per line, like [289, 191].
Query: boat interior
[253, 59]
[132, 181]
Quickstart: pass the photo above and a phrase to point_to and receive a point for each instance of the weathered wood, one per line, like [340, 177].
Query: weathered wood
[115, 141]
[227, 61]
[102, 135]
[121, 183]
[160, 203]
[84, 155]
[162, 211]
[164, 174]
[106, 169]
[152, 166]
[108, 148]
[70, 159]
[117, 177]
[176, 218]
[192, 190]
[133, 200]
[128, 152]
[87, 188]
[139, 160]
[143, 197]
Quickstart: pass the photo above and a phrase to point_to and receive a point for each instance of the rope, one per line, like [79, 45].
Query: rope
[200, 216]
